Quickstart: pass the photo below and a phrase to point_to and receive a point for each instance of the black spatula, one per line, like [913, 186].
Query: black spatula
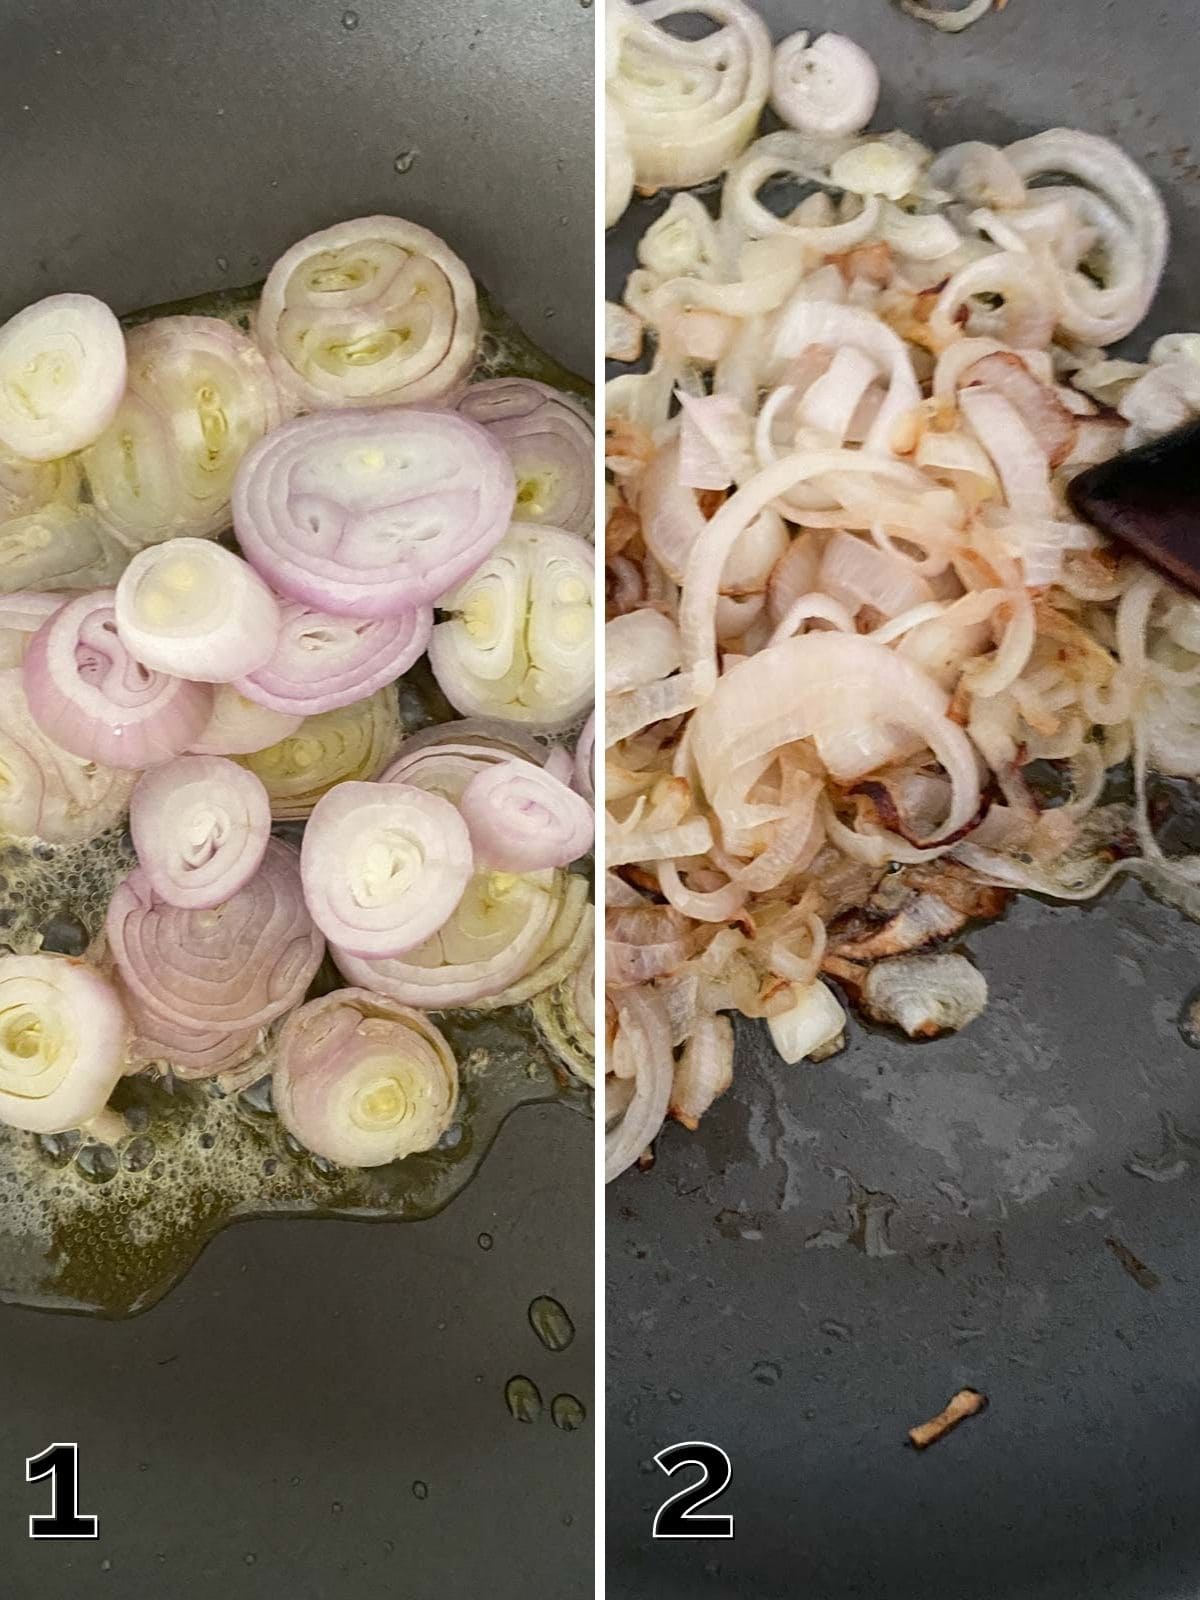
[1149, 500]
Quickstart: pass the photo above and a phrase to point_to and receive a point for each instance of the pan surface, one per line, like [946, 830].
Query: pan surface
[319, 1409]
[841, 1248]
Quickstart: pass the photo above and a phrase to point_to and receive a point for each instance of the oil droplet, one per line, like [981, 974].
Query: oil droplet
[404, 161]
[767, 1373]
[64, 935]
[106, 1565]
[98, 1163]
[350, 20]
[675, 1397]
[420, 1490]
[567, 1413]
[61, 1147]
[523, 1398]
[249, 1558]
[336, 1508]
[551, 1323]
[485, 1241]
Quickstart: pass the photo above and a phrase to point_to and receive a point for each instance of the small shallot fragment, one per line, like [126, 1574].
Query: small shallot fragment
[948, 19]
[925, 995]
[639, 647]
[966, 1403]
[639, 1055]
[618, 165]
[585, 761]
[703, 1072]
[812, 1027]
[622, 333]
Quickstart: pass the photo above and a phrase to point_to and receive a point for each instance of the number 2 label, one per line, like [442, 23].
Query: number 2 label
[60, 1463]
[677, 1518]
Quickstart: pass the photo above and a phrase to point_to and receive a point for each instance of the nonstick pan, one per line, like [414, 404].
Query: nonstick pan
[318, 1410]
[840, 1248]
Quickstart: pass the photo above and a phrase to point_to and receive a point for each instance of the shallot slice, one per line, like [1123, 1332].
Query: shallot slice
[62, 375]
[384, 866]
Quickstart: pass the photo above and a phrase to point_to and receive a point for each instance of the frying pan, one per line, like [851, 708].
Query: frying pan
[840, 1248]
[318, 1409]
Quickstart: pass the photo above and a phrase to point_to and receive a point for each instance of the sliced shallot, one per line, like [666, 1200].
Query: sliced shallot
[46, 792]
[321, 661]
[687, 106]
[229, 967]
[349, 744]
[520, 818]
[89, 694]
[830, 86]
[63, 1033]
[519, 642]
[551, 443]
[509, 937]
[238, 726]
[195, 610]
[372, 514]
[363, 1080]
[372, 312]
[200, 826]
[62, 375]
[199, 396]
[384, 866]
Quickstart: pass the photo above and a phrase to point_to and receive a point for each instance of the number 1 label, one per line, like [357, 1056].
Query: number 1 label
[60, 1463]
